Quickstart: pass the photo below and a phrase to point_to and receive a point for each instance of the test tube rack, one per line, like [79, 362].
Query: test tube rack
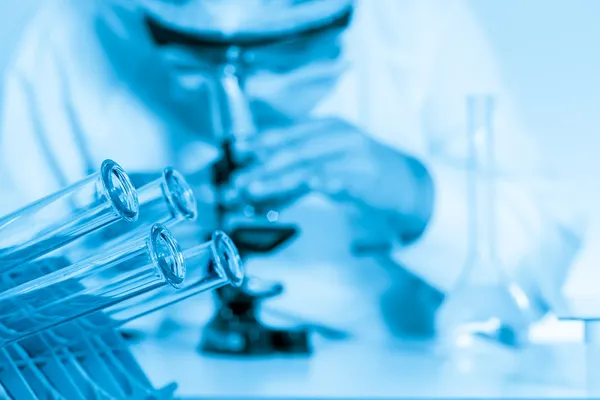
[53, 365]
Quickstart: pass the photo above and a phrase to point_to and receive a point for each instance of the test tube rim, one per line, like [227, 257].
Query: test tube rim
[234, 269]
[174, 276]
[128, 210]
[182, 204]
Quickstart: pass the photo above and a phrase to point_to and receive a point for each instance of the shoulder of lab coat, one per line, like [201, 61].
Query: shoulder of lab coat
[414, 64]
[74, 96]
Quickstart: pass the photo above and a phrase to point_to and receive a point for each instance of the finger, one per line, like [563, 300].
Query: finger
[312, 154]
[340, 180]
[229, 197]
[316, 151]
[281, 189]
[273, 139]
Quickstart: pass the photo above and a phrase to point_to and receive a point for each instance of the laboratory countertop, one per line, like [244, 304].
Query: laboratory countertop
[367, 364]
[350, 369]
[326, 285]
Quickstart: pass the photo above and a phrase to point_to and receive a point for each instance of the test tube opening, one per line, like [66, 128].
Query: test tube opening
[120, 190]
[227, 259]
[166, 255]
[180, 194]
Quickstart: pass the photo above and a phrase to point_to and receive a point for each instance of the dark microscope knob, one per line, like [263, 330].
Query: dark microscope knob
[237, 329]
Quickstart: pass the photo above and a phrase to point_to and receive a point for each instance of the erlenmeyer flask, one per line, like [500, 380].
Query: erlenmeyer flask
[485, 303]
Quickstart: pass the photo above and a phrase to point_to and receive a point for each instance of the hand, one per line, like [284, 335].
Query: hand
[335, 158]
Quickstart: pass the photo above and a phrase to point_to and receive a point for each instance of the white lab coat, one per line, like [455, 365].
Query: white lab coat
[72, 100]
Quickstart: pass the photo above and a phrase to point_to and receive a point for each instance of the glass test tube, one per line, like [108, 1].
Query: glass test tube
[167, 200]
[99, 200]
[209, 266]
[80, 289]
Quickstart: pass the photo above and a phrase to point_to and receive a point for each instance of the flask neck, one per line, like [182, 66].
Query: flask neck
[481, 191]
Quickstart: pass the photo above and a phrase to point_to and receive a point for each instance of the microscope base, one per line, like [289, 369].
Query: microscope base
[253, 338]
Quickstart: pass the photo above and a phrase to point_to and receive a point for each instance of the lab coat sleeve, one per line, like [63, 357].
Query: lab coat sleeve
[38, 147]
[25, 152]
[64, 113]
[533, 246]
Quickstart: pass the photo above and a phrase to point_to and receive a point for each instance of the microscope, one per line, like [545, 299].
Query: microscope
[236, 327]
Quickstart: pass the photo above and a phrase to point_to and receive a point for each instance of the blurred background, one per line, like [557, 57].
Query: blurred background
[548, 60]
[545, 49]
[14, 20]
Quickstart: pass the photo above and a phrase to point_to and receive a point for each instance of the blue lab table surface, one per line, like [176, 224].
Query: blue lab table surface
[327, 285]
[368, 364]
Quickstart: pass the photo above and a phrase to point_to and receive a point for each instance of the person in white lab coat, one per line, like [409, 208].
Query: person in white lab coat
[374, 124]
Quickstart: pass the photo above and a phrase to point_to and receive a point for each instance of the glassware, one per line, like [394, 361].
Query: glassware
[80, 289]
[486, 303]
[97, 201]
[592, 355]
[167, 200]
[210, 265]
[586, 313]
